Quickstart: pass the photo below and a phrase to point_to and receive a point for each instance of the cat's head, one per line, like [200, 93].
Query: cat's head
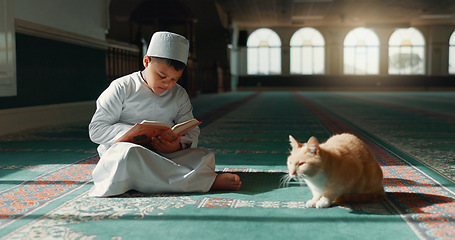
[304, 159]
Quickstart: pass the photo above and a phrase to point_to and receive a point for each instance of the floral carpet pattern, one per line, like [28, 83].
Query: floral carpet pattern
[45, 174]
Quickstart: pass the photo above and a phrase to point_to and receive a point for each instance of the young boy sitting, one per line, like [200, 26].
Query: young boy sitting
[152, 94]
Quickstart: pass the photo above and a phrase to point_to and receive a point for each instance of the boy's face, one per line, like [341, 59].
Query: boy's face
[159, 76]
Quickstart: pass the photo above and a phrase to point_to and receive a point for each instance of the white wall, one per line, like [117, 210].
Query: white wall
[7, 50]
[84, 17]
[83, 22]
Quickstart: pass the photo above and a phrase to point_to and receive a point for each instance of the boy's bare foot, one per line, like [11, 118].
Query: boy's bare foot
[226, 181]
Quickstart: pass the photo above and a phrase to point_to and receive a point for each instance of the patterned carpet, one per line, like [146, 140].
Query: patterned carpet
[45, 174]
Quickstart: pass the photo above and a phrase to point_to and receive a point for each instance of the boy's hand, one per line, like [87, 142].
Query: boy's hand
[162, 145]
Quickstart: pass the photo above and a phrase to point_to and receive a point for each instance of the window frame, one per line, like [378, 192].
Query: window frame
[364, 48]
[264, 54]
[451, 70]
[311, 40]
[409, 45]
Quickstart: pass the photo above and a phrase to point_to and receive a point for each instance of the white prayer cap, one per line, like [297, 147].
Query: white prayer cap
[169, 45]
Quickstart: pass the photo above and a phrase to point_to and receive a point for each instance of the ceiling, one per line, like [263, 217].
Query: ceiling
[368, 13]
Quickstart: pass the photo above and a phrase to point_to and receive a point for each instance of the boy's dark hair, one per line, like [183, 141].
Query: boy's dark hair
[171, 62]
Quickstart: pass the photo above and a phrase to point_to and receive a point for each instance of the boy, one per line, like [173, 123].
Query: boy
[152, 94]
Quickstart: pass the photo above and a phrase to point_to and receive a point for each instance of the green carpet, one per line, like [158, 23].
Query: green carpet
[45, 174]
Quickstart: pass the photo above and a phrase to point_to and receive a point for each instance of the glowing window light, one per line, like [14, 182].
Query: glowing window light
[406, 52]
[264, 52]
[361, 52]
[307, 52]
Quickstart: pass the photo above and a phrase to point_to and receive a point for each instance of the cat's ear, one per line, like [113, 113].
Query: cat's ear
[313, 145]
[294, 143]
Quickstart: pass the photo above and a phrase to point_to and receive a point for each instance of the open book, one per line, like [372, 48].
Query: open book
[142, 133]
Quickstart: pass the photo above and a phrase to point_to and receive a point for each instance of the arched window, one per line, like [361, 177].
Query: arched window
[452, 54]
[361, 52]
[264, 52]
[307, 52]
[406, 52]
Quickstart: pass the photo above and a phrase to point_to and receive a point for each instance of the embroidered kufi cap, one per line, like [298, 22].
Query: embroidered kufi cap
[169, 45]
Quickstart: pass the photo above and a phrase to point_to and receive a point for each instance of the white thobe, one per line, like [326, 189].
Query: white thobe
[125, 166]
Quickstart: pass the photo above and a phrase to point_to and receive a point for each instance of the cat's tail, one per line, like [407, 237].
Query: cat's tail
[360, 197]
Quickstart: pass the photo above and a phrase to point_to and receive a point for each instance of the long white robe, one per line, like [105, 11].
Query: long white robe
[125, 166]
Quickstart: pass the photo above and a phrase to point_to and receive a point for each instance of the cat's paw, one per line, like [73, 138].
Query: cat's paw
[310, 203]
[323, 203]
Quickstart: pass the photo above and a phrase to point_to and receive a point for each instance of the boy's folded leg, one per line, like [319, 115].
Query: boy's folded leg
[127, 166]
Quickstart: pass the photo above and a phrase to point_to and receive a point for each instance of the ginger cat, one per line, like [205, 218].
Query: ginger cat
[341, 170]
